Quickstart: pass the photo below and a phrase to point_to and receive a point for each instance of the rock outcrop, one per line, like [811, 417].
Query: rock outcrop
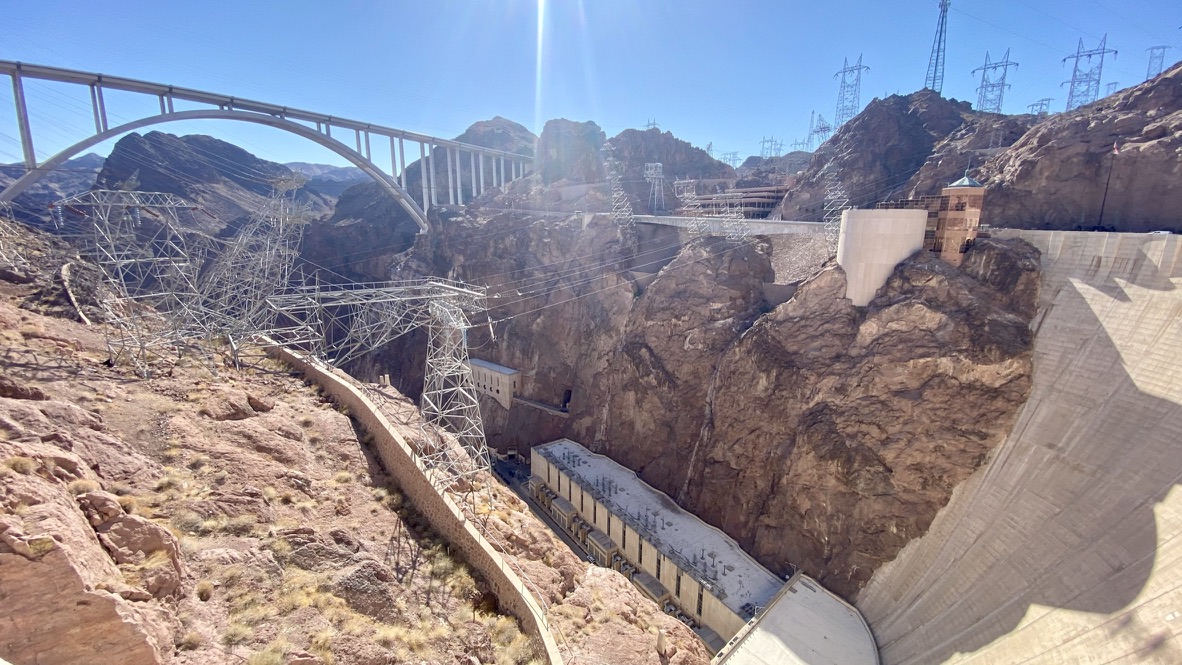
[1058, 174]
[878, 414]
[570, 151]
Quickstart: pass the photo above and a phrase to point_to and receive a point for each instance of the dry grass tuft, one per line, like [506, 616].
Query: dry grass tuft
[237, 633]
[342, 478]
[82, 486]
[22, 465]
[192, 640]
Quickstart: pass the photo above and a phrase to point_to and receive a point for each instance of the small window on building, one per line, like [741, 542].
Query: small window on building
[624, 538]
[640, 553]
[700, 593]
[658, 566]
[677, 585]
[595, 513]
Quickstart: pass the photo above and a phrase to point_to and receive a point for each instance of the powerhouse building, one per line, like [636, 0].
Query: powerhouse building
[691, 569]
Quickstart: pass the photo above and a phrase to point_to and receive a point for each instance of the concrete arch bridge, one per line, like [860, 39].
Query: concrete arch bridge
[488, 167]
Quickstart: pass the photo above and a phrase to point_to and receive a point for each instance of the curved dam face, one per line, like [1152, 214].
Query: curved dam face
[1064, 547]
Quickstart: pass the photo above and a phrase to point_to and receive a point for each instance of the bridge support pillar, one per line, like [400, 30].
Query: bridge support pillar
[401, 159]
[99, 107]
[482, 173]
[431, 172]
[22, 121]
[451, 185]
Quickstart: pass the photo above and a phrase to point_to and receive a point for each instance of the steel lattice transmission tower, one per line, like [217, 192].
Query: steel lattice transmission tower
[150, 265]
[343, 322]
[1157, 59]
[820, 131]
[731, 158]
[993, 85]
[252, 266]
[1085, 77]
[1042, 106]
[1110, 88]
[935, 77]
[621, 208]
[686, 191]
[654, 173]
[849, 93]
[836, 201]
[10, 254]
[769, 148]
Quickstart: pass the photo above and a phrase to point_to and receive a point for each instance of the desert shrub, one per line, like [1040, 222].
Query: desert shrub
[242, 525]
[204, 590]
[237, 633]
[270, 493]
[129, 504]
[342, 478]
[188, 521]
[191, 640]
[23, 465]
[82, 486]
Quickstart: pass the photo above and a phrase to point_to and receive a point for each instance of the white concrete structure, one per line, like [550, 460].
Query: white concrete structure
[496, 381]
[1064, 547]
[871, 243]
[806, 624]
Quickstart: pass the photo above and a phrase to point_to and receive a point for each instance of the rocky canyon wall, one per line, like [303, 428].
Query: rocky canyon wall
[817, 434]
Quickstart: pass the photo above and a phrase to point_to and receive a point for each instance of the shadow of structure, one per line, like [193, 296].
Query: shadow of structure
[1063, 548]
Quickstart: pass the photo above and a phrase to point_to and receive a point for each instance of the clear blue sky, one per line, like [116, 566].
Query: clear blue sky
[727, 72]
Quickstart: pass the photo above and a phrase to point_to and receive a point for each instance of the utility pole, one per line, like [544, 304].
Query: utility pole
[849, 93]
[992, 90]
[935, 77]
[1042, 106]
[710, 148]
[1157, 58]
[1108, 181]
[1085, 79]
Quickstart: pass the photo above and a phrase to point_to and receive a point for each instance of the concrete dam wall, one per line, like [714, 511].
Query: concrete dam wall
[1063, 547]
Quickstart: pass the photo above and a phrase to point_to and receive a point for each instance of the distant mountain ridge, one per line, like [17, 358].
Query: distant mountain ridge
[75, 176]
[329, 179]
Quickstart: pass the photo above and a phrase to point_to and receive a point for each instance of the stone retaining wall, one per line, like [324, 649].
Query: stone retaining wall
[443, 514]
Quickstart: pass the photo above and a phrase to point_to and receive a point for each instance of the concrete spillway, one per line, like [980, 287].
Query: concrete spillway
[1063, 547]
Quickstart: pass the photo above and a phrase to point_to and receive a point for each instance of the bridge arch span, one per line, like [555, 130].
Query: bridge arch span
[355, 158]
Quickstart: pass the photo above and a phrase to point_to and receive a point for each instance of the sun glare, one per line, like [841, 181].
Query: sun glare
[538, 68]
